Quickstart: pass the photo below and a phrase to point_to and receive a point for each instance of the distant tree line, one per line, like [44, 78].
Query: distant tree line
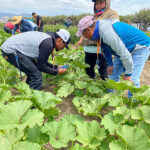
[141, 19]
[60, 19]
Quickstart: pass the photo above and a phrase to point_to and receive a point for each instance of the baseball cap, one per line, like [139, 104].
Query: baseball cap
[84, 23]
[65, 35]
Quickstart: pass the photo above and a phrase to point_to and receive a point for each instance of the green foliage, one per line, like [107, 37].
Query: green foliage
[27, 117]
[60, 133]
[90, 134]
[73, 30]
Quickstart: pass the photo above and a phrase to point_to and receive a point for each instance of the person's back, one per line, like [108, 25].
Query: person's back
[33, 24]
[26, 43]
[131, 36]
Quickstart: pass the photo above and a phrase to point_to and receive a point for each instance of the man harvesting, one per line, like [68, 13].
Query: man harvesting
[39, 22]
[130, 46]
[32, 50]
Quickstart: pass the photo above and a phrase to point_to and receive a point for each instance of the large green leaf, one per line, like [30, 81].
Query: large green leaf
[66, 90]
[70, 77]
[88, 105]
[51, 112]
[79, 147]
[45, 99]
[5, 95]
[95, 90]
[116, 145]
[123, 110]
[35, 135]
[133, 138]
[26, 146]
[112, 123]
[141, 113]
[145, 126]
[32, 117]
[115, 101]
[18, 114]
[90, 134]
[60, 133]
[143, 95]
[121, 86]
[23, 88]
[93, 108]
[10, 137]
[81, 84]
[70, 118]
[5, 86]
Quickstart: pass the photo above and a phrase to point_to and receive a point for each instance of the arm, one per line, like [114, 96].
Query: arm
[45, 50]
[15, 28]
[40, 23]
[80, 41]
[107, 54]
[114, 41]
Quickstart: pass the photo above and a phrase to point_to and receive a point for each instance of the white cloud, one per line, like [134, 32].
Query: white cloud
[68, 7]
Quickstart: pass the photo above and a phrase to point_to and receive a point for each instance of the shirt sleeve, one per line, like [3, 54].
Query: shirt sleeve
[29, 25]
[45, 49]
[38, 19]
[107, 54]
[15, 28]
[117, 45]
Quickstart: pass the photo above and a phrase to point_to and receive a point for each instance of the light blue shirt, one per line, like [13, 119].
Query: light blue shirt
[91, 49]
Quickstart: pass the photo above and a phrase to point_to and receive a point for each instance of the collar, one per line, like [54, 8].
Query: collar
[96, 35]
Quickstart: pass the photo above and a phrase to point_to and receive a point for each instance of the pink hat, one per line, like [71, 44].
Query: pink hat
[85, 23]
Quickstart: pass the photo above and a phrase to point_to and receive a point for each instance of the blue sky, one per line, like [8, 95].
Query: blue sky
[68, 7]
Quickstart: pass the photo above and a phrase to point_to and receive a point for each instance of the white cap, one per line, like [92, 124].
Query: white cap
[65, 35]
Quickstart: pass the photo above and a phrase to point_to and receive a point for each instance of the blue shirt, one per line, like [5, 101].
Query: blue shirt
[25, 26]
[131, 35]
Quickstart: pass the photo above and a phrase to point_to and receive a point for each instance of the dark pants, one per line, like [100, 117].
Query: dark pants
[90, 58]
[7, 30]
[41, 29]
[28, 66]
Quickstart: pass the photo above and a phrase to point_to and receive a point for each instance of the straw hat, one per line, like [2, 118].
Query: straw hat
[16, 19]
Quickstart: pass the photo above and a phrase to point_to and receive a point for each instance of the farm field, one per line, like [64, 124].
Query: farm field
[72, 112]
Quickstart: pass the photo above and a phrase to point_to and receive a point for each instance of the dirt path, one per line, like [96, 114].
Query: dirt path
[145, 77]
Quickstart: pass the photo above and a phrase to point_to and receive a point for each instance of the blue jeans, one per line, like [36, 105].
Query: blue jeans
[139, 58]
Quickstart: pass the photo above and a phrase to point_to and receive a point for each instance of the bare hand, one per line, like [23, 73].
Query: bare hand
[109, 70]
[79, 44]
[61, 71]
[127, 78]
[59, 66]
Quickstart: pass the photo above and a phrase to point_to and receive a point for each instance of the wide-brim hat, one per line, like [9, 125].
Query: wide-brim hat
[16, 19]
